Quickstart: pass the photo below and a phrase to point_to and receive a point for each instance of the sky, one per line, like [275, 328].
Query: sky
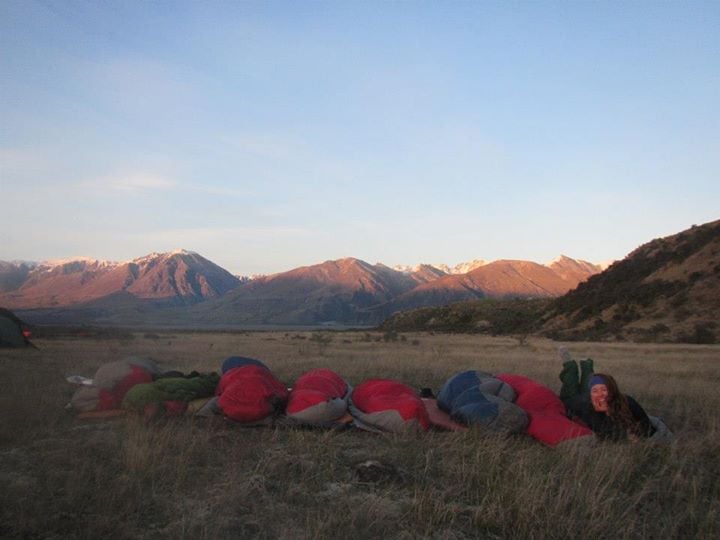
[271, 135]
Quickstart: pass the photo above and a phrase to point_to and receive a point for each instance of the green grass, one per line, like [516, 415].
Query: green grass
[193, 478]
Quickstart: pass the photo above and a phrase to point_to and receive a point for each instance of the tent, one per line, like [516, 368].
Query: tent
[13, 332]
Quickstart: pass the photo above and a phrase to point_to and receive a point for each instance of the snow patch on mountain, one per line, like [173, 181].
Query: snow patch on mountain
[460, 268]
[464, 268]
[88, 261]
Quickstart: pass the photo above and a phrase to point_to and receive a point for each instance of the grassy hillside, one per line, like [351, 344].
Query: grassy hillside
[495, 317]
[666, 290]
[63, 478]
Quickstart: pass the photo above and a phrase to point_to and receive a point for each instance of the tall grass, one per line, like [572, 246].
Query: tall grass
[195, 478]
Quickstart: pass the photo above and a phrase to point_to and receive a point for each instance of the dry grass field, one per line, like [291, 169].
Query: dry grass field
[200, 478]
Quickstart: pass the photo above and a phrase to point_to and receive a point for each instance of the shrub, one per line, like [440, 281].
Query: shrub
[321, 338]
[702, 335]
[390, 335]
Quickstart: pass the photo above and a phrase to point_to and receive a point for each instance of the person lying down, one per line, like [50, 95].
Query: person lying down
[597, 401]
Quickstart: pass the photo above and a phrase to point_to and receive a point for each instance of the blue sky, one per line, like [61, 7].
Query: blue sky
[270, 135]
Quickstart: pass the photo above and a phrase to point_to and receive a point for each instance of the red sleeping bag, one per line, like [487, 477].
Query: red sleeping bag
[113, 397]
[111, 382]
[548, 423]
[318, 396]
[250, 394]
[388, 405]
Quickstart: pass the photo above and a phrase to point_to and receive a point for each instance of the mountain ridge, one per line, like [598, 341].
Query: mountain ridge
[667, 290]
[184, 277]
[347, 290]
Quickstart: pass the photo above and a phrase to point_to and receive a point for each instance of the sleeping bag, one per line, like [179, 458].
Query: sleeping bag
[318, 397]
[548, 422]
[476, 398]
[387, 405]
[111, 382]
[179, 389]
[251, 394]
[239, 361]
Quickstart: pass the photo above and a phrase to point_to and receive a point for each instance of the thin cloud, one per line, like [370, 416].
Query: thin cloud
[286, 155]
[214, 190]
[144, 86]
[266, 146]
[141, 182]
[133, 183]
[14, 160]
[219, 235]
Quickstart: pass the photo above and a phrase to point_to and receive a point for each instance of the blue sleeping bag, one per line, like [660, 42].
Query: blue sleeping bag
[239, 361]
[476, 398]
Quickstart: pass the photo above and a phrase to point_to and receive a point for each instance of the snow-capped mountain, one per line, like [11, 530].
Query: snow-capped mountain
[177, 276]
[460, 268]
[344, 290]
[573, 270]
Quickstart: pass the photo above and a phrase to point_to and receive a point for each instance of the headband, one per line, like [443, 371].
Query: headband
[595, 379]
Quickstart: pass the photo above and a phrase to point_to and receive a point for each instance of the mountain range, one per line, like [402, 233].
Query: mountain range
[182, 287]
[667, 290]
[171, 278]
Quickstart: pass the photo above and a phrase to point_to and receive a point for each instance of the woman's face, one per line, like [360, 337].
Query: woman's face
[598, 397]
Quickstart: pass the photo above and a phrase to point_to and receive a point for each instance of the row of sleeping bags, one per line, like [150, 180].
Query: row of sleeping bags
[247, 392]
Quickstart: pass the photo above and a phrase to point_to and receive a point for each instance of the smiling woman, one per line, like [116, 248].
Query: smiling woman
[609, 413]
[598, 396]
[614, 415]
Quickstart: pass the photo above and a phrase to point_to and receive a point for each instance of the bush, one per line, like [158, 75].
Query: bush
[702, 335]
[320, 338]
[390, 335]
[497, 317]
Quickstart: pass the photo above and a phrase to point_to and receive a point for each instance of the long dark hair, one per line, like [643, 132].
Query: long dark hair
[618, 408]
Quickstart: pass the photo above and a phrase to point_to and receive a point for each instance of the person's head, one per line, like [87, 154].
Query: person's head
[606, 397]
[604, 393]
